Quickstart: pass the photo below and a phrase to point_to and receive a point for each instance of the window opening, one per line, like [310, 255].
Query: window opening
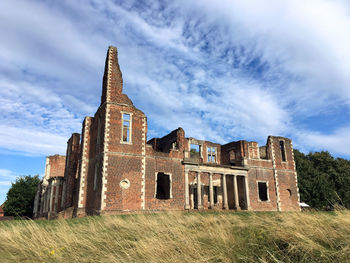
[195, 152]
[211, 154]
[95, 177]
[98, 135]
[215, 193]
[174, 145]
[126, 127]
[163, 186]
[262, 187]
[283, 153]
[232, 154]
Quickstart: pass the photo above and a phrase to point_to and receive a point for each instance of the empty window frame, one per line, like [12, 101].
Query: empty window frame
[263, 191]
[126, 129]
[95, 177]
[174, 145]
[215, 193]
[163, 186]
[211, 154]
[283, 152]
[194, 150]
[98, 138]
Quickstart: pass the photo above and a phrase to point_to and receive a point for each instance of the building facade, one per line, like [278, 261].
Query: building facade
[112, 168]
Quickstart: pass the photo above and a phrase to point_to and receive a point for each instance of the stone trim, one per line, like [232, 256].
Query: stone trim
[295, 174]
[105, 153]
[214, 165]
[143, 166]
[267, 168]
[109, 73]
[262, 160]
[143, 155]
[84, 164]
[217, 170]
[106, 132]
[275, 175]
[47, 169]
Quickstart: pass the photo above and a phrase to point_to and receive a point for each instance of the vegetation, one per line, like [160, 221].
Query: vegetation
[20, 197]
[181, 237]
[324, 182]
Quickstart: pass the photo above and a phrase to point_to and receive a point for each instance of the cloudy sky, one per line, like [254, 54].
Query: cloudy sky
[223, 70]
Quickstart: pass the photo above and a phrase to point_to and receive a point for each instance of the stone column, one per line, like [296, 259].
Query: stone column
[235, 187]
[63, 197]
[224, 188]
[51, 196]
[58, 186]
[187, 195]
[199, 191]
[246, 192]
[192, 198]
[211, 191]
[44, 202]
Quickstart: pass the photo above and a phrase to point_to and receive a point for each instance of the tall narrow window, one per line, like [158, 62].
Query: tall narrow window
[211, 154]
[126, 137]
[163, 186]
[283, 152]
[98, 139]
[215, 193]
[262, 188]
[95, 177]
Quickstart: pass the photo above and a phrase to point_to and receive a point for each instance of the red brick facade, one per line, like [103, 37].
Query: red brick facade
[2, 213]
[112, 167]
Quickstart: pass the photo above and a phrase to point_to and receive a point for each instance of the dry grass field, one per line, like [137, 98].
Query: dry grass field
[181, 237]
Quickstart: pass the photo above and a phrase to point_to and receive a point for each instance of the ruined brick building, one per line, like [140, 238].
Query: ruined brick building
[111, 167]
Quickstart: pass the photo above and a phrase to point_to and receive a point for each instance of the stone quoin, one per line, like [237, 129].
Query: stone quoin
[111, 167]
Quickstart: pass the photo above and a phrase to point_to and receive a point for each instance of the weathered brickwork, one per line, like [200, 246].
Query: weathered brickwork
[112, 168]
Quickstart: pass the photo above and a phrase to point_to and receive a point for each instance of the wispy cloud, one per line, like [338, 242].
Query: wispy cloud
[222, 70]
[6, 178]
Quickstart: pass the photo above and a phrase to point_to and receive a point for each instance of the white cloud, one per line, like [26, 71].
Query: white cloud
[6, 178]
[307, 40]
[337, 142]
[222, 70]
[37, 142]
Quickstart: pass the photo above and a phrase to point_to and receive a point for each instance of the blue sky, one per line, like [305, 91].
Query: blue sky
[223, 70]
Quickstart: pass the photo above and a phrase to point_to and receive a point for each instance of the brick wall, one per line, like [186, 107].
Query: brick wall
[70, 174]
[105, 174]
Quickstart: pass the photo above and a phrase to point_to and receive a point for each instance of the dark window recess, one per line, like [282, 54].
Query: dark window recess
[215, 188]
[283, 152]
[262, 191]
[163, 186]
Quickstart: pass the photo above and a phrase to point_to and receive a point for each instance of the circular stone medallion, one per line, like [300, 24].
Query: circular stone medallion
[125, 183]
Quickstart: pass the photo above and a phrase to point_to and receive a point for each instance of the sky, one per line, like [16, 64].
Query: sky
[223, 70]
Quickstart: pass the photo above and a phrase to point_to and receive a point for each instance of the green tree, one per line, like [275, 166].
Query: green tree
[323, 180]
[20, 197]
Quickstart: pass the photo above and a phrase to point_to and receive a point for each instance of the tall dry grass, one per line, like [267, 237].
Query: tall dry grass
[181, 237]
